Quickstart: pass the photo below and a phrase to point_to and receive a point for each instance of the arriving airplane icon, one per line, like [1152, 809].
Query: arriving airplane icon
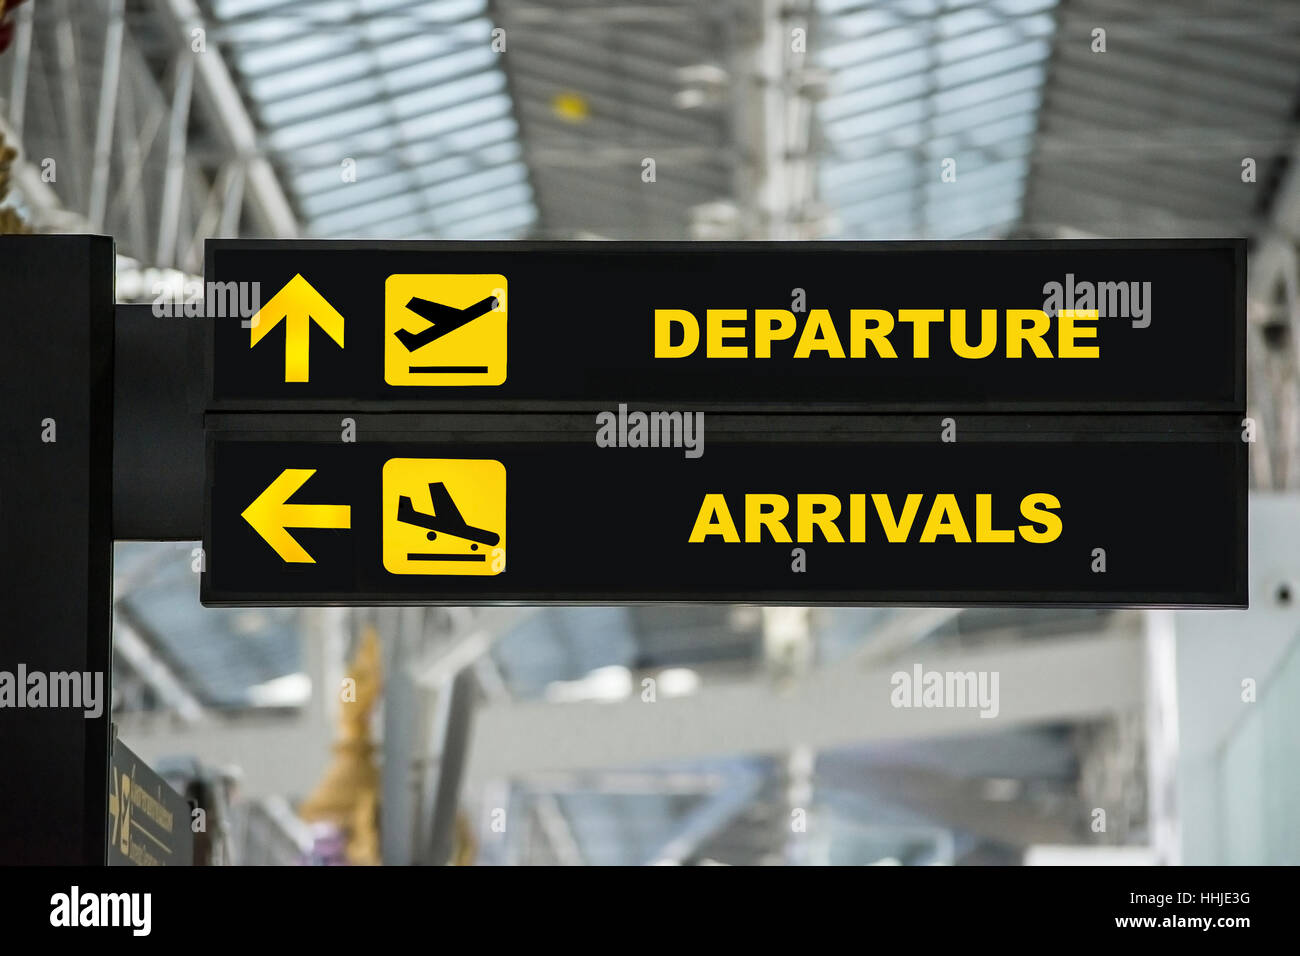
[443, 516]
[446, 519]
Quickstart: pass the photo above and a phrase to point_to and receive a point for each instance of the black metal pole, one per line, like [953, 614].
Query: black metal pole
[56, 546]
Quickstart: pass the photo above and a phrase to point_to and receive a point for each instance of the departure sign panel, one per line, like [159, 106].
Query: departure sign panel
[1115, 326]
[481, 509]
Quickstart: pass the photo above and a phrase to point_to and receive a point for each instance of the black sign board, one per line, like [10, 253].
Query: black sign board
[844, 509]
[1116, 326]
[148, 821]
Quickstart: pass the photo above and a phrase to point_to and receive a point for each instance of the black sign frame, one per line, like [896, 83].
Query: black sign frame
[1132, 442]
[827, 387]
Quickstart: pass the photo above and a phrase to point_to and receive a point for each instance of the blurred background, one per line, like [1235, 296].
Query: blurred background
[712, 735]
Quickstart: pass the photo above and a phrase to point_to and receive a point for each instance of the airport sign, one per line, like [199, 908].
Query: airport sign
[1010, 326]
[475, 509]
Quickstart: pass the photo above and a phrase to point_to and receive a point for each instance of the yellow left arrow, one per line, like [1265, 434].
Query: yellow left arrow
[271, 515]
[298, 304]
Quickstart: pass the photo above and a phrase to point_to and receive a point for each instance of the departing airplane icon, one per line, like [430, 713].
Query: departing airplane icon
[445, 329]
[446, 519]
[443, 319]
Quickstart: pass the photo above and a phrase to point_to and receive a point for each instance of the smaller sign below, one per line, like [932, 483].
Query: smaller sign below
[148, 821]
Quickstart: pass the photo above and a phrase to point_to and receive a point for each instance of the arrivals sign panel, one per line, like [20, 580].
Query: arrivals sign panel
[865, 509]
[1155, 326]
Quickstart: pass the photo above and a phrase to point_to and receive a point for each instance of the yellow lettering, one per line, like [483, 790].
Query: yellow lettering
[1027, 326]
[920, 319]
[859, 334]
[766, 511]
[714, 518]
[718, 330]
[896, 531]
[818, 511]
[1068, 332]
[819, 333]
[945, 518]
[771, 325]
[1035, 508]
[984, 530]
[988, 334]
[664, 321]
[857, 518]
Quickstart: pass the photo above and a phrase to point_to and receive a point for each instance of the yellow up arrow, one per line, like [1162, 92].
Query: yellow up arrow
[297, 304]
[271, 515]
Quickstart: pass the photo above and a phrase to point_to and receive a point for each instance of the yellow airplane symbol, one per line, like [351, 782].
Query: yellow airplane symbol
[112, 808]
[298, 304]
[271, 515]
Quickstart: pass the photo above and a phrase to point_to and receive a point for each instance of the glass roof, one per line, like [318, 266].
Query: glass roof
[411, 93]
[917, 82]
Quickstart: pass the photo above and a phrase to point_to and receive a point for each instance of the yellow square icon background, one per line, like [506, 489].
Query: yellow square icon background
[478, 344]
[477, 486]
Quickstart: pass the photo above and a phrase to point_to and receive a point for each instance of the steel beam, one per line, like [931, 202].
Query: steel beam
[74, 117]
[109, 84]
[1058, 680]
[225, 109]
[174, 179]
[22, 58]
